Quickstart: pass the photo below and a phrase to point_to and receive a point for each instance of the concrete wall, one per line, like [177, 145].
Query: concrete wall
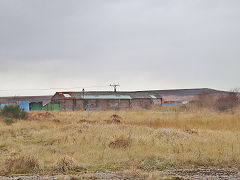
[141, 103]
[124, 104]
[79, 105]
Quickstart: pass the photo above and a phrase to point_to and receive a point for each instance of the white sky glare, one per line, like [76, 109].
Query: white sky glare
[142, 44]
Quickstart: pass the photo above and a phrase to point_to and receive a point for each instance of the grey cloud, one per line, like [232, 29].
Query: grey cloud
[148, 44]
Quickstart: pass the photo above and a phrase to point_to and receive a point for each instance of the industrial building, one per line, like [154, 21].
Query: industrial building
[104, 100]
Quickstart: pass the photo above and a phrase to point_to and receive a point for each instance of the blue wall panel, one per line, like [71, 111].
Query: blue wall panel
[24, 105]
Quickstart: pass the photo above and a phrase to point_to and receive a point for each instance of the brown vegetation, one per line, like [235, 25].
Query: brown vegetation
[171, 137]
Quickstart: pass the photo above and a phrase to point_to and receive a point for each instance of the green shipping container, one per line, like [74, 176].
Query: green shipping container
[36, 106]
[56, 107]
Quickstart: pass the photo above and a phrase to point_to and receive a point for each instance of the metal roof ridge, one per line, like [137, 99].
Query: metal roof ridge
[104, 91]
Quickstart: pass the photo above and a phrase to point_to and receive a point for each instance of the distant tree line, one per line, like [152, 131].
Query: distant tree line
[221, 101]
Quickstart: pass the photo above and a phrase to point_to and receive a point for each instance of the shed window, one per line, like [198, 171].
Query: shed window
[67, 95]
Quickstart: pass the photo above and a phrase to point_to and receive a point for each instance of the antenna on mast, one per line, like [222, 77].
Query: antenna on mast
[114, 86]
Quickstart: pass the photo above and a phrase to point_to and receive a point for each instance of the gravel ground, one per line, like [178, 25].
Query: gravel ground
[89, 175]
[228, 174]
[198, 173]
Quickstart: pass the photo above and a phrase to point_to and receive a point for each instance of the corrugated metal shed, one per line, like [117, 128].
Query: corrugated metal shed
[109, 95]
[106, 100]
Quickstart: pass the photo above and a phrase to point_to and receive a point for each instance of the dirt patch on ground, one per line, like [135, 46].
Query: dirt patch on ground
[190, 131]
[56, 120]
[108, 175]
[114, 119]
[86, 121]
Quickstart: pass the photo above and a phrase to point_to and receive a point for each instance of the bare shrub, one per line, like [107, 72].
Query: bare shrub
[22, 164]
[227, 102]
[206, 100]
[220, 102]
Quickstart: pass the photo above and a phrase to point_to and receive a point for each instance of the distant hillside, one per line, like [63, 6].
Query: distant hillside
[187, 92]
[184, 94]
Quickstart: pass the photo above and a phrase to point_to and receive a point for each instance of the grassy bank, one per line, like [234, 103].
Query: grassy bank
[146, 140]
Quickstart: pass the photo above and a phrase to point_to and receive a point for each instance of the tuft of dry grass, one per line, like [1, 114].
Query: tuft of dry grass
[21, 165]
[114, 140]
[65, 164]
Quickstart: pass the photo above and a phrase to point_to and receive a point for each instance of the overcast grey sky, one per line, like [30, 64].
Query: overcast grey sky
[142, 44]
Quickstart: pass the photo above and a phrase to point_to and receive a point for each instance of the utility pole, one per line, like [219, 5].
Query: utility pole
[83, 93]
[114, 86]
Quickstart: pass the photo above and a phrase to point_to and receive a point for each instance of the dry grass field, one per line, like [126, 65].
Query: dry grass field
[158, 139]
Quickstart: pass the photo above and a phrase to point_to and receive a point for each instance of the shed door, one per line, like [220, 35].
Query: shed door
[56, 106]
